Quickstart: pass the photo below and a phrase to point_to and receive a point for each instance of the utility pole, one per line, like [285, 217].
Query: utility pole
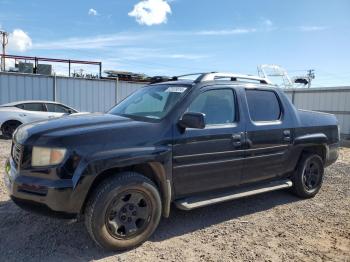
[4, 41]
[311, 76]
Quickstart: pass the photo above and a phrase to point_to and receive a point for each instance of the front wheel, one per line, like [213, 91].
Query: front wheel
[123, 212]
[308, 178]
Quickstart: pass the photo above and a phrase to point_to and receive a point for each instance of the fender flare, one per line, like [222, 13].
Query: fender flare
[311, 139]
[159, 160]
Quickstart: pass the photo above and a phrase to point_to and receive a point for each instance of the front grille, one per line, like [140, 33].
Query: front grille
[17, 151]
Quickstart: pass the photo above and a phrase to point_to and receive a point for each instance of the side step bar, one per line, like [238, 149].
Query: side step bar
[206, 200]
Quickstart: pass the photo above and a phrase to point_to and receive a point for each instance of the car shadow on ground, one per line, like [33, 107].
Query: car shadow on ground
[183, 222]
[29, 237]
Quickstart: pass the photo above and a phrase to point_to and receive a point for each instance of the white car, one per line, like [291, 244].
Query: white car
[12, 115]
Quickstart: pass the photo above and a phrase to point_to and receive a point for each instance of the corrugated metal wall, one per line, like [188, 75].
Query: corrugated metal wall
[86, 95]
[92, 95]
[334, 100]
[14, 87]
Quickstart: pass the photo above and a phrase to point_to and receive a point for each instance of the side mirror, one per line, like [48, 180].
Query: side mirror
[192, 120]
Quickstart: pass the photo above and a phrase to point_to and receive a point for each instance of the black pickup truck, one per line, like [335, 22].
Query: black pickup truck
[191, 143]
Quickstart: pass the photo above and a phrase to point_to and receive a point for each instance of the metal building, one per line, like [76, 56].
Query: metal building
[92, 95]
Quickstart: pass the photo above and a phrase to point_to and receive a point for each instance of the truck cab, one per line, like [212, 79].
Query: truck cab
[195, 143]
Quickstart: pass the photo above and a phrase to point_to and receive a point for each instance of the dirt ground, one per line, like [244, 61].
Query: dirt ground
[272, 227]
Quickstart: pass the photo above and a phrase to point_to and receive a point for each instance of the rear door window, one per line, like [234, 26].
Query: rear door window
[263, 105]
[34, 107]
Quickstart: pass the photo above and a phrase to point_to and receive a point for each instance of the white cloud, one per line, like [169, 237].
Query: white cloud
[312, 28]
[9, 63]
[266, 25]
[151, 12]
[93, 42]
[19, 41]
[267, 22]
[92, 12]
[235, 31]
[186, 56]
[141, 53]
[127, 39]
[125, 46]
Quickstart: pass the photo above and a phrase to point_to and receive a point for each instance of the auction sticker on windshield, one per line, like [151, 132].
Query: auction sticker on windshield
[176, 89]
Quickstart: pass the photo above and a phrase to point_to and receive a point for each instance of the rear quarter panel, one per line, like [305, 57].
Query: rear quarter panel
[314, 129]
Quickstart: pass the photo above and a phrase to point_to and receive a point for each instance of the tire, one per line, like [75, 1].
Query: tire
[308, 178]
[9, 127]
[123, 211]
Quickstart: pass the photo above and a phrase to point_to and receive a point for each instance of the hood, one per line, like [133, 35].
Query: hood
[73, 125]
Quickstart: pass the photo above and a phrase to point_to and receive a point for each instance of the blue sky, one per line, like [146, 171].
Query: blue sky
[182, 36]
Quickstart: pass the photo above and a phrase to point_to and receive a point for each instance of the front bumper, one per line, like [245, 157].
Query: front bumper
[48, 196]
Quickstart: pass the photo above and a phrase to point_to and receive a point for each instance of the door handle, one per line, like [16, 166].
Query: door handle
[286, 132]
[237, 139]
[286, 135]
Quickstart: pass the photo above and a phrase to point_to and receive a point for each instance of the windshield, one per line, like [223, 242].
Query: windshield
[152, 102]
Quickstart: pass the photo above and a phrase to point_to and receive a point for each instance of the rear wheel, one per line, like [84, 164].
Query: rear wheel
[9, 127]
[123, 212]
[308, 178]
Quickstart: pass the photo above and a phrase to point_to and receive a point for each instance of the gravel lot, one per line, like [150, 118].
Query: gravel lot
[272, 227]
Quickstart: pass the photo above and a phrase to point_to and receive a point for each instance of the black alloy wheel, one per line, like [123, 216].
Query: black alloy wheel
[128, 214]
[308, 177]
[312, 174]
[123, 211]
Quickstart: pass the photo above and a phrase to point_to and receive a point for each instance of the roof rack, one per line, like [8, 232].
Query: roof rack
[159, 79]
[204, 77]
[233, 77]
[192, 74]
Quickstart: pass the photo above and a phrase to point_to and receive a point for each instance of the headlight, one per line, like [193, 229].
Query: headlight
[43, 156]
